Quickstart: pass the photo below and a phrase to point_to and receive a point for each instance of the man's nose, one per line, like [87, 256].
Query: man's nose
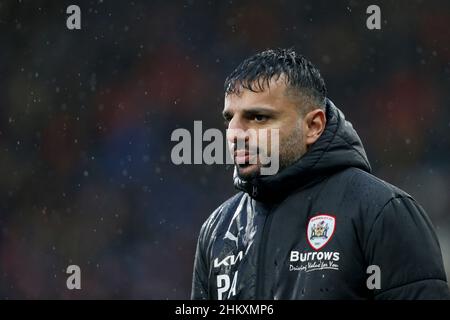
[237, 131]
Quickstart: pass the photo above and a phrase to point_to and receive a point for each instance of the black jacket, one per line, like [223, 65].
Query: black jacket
[312, 231]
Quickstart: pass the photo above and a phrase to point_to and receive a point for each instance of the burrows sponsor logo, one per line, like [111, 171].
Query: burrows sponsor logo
[319, 231]
[312, 261]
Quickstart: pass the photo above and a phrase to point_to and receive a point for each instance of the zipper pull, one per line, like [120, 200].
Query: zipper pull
[254, 191]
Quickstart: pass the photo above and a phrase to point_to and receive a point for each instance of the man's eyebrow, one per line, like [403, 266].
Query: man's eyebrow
[257, 109]
[251, 110]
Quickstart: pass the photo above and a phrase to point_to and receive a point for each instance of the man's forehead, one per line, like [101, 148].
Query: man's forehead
[269, 96]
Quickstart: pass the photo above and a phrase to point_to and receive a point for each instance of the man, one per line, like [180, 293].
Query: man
[323, 227]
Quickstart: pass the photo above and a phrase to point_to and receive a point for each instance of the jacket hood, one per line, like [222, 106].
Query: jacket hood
[339, 147]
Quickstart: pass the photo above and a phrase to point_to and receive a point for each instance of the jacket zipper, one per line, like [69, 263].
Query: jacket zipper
[262, 256]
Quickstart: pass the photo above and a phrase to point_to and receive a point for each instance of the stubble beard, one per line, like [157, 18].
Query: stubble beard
[292, 148]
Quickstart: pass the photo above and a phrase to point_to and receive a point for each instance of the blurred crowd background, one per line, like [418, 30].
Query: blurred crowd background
[86, 118]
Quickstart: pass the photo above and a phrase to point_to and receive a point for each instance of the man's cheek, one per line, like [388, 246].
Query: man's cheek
[270, 154]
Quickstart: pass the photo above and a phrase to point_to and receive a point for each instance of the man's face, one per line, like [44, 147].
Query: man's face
[271, 109]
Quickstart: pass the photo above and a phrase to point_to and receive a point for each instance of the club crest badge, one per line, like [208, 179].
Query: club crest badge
[320, 230]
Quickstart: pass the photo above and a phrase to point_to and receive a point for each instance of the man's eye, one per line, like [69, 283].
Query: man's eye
[260, 118]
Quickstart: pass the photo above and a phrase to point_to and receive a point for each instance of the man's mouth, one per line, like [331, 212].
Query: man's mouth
[243, 157]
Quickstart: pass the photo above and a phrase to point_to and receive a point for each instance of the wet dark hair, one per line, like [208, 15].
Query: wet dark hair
[255, 73]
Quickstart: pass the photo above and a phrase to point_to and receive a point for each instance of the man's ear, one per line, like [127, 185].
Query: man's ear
[314, 123]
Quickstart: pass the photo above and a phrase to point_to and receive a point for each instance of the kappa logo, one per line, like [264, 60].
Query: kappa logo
[320, 230]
